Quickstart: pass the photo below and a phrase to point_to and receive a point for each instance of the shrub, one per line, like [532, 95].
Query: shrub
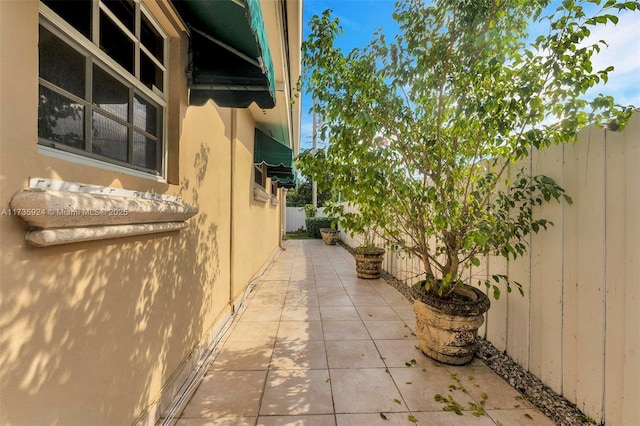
[315, 223]
[310, 210]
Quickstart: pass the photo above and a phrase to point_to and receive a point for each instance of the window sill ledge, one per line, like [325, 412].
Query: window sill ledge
[260, 194]
[63, 217]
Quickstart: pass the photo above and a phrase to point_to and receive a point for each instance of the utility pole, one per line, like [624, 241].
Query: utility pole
[314, 184]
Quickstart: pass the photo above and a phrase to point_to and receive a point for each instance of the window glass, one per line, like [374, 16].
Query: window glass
[259, 177]
[145, 151]
[125, 11]
[109, 94]
[76, 13]
[60, 64]
[60, 119]
[145, 115]
[150, 73]
[151, 39]
[110, 139]
[116, 43]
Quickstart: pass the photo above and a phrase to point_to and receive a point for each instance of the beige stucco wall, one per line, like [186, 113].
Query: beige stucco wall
[90, 332]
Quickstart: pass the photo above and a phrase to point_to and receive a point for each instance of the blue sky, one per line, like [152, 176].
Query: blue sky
[361, 18]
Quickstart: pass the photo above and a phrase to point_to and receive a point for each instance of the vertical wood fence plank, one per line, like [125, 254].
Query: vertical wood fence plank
[615, 205]
[591, 297]
[570, 275]
[631, 366]
[497, 315]
[546, 277]
[518, 309]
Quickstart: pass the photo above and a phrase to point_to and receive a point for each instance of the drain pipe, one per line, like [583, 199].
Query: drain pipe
[234, 131]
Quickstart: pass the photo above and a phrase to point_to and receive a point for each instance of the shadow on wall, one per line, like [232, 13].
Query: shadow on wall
[88, 331]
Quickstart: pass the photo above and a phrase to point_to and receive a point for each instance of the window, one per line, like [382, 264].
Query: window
[102, 82]
[260, 174]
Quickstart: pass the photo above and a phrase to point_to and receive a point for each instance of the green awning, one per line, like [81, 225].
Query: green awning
[230, 60]
[288, 182]
[277, 157]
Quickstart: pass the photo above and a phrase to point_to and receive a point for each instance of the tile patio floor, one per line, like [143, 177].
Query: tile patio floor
[317, 346]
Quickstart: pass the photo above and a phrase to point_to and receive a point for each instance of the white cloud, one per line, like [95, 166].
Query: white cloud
[623, 52]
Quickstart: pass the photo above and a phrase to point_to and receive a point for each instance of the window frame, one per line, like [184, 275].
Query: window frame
[263, 170]
[95, 56]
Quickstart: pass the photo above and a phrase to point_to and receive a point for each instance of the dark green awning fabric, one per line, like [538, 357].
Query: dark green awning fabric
[230, 58]
[284, 182]
[277, 157]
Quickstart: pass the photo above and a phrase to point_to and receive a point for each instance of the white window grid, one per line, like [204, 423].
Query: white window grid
[91, 50]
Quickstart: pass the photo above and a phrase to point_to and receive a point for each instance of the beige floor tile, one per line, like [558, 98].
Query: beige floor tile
[295, 355]
[377, 313]
[476, 366]
[301, 300]
[353, 354]
[345, 330]
[520, 417]
[365, 390]
[328, 282]
[304, 282]
[360, 290]
[419, 385]
[297, 392]
[500, 395]
[389, 330]
[339, 313]
[318, 420]
[335, 301]
[300, 313]
[300, 330]
[261, 313]
[398, 352]
[325, 277]
[243, 355]
[389, 419]
[354, 281]
[255, 331]
[268, 300]
[404, 312]
[227, 393]
[223, 421]
[368, 300]
[331, 291]
[449, 418]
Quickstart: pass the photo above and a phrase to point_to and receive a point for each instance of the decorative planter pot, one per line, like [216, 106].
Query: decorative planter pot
[329, 236]
[369, 263]
[447, 330]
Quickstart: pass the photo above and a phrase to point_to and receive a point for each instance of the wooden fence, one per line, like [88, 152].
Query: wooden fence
[295, 218]
[578, 326]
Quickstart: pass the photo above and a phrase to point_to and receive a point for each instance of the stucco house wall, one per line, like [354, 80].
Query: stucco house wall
[98, 332]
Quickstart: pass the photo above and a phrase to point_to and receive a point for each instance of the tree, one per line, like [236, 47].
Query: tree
[425, 128]
[301, 195]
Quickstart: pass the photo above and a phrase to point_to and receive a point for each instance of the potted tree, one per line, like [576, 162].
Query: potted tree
[427, 132]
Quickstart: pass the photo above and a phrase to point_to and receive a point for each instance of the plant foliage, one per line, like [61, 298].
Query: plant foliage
[315, 223]
[426, 130]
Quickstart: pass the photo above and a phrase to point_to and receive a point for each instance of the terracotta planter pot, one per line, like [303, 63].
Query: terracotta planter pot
[369, 263]
[447, 330]
[329, 236]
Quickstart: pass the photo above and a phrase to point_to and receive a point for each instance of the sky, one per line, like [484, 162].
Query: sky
[361, 18]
